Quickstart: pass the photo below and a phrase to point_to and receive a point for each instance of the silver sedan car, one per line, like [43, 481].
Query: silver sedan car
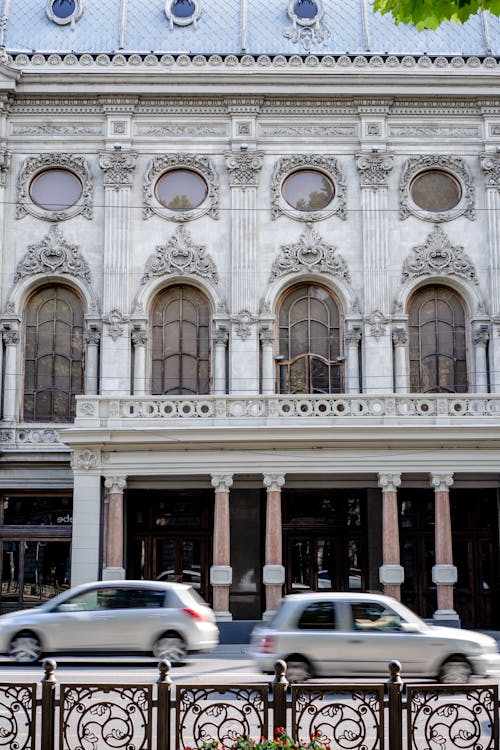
[336, 634]
[168, 620]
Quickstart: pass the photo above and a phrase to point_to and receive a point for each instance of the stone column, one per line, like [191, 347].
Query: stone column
[391, 572]
[220, 338]
[244, 168]
[480, 339]
[490, 162]
[268, 369]
[118, 168]
[221, 573]
[85, 544]
[444, 573]
[92, 339]
[352, 339]
[373, 171]
[400, 341]
[139, 341]
[10, 405]
[113, 545]
[273, 573]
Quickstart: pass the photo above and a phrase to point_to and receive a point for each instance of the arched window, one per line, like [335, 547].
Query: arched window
[309, 342]
[181, 342]
[53, 359]
[438, 357]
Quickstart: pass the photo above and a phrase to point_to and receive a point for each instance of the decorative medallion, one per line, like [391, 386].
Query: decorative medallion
[438, 256]
[287, 166]
[180, 255]
[200, 165]
[53, 254]
[310, 253]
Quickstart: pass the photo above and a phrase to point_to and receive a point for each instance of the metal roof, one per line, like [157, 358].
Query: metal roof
[236, 26]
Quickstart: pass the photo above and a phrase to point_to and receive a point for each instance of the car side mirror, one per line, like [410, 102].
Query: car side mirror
[68, 607]
[409, 627]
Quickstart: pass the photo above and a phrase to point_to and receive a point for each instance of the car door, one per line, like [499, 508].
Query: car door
[317, 638]
[377, 637]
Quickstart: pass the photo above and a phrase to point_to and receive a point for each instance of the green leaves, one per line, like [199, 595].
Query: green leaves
[429, 14]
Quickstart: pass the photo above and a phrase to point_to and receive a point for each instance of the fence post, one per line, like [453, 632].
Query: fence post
[48, 704]
[164, 702]
[280, 686]
[394, 693]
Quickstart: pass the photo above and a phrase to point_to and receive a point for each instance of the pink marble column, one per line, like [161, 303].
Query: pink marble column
[274, 572]
[221, 571]
[444, 573]
[113, 542]
[391, 572]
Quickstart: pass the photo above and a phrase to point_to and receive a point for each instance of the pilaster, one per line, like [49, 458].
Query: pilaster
[86, 465]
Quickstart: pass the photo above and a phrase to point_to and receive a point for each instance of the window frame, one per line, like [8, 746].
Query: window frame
[34, 166]
[71, 19]
[456, 168]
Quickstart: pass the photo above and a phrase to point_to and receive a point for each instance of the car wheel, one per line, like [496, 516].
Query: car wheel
[297, 669]
[25, 647]
[170, 646]
[456, 670]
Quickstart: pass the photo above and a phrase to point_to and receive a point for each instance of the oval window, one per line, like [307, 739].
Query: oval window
[63, 8]
[308, 190]
[181, 190]
[305, 9]
[435, 191]
[55, 190]
[183, 8]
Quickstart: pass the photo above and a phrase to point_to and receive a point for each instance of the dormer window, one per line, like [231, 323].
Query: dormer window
[64, 12]
[182, 12]
[306, 10]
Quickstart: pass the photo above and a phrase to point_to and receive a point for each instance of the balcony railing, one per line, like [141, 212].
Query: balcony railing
[164, 716]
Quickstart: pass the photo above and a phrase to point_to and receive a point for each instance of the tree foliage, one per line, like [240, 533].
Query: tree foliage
[429, 14]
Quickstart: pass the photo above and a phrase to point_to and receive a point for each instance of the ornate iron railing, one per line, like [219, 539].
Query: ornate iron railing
[165, 716]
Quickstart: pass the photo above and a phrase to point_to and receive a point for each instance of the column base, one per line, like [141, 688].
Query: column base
[223, 616]
[268, 615]
[447, 617]
[113, 574]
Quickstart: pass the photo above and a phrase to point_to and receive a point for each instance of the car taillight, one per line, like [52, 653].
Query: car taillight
[267, 644]
[195, 614]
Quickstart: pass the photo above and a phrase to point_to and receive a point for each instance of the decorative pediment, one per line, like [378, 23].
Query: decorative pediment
[438, 256]
[310, 253]
[53, 254]
[180, 255]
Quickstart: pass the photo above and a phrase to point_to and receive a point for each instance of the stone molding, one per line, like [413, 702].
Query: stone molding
[444, 574]
[115, 484]
[222, 482]
[453, 165]
[118, 168]
[273, 575]
[389, 482]
[391, 574]
[310, 253]
[374, 169]
[115, 321]
[33, 165]
[202, 165]
[221, 575]
[53, 254]
[244, 168]
[274, 482]
[441, 482]
[180, 255]
[326, 164]
[438, 256]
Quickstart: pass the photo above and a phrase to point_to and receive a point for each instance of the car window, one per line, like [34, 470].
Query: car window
[318, 616]
[128, 598]
[374, 616]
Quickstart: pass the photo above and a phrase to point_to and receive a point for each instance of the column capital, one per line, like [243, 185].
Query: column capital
[274, 482]
[115, 485]
[10, 338]
[266, 336]
[118, 168]
[353, 336]
[490, 163]
[441, 482]
[481, 337]
[222, 482]
[139, 338]
[374, 169]
[221, 337]
[389, 482]
[399, 337]
[92, 338]
[244, 168]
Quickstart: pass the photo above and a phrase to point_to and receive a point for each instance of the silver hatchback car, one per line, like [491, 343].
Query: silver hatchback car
[337, 635]
[168, 620]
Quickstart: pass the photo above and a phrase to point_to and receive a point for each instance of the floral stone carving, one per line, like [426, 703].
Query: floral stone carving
[180, 255]
[438, 255]
[310, 253]
[53, 254]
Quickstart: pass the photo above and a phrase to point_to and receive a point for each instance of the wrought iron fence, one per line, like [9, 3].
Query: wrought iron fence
[163, 716]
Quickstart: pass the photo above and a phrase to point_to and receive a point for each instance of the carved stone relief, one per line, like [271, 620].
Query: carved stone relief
[377, 323]
[53, 254]
[118, 168]
[115, 321]
[438, 255]
[306, 31]
[180, 255]
[491, 165]
[243, 320]
[327, 164]
[36, 164]
[310, 253]
[455, 166]
[244, 168]
[374, 169]
[200, 164]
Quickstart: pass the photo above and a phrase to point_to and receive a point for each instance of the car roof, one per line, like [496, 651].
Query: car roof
[128, 583]
[339, 596]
